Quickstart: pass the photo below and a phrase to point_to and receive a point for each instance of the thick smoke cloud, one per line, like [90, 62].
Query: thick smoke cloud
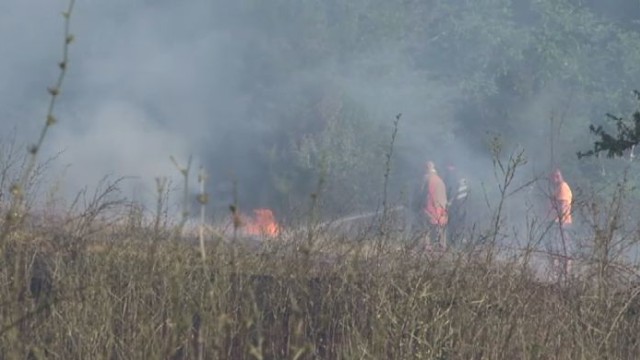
[143, 82]
[151, 79]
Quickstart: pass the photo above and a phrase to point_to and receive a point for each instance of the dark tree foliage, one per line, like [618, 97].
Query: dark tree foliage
[317, 81]
[627, 136]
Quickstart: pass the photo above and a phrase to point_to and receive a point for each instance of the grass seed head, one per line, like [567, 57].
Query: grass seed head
[51, 120]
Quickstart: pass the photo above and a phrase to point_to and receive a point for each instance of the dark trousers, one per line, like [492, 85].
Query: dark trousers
[456, 225]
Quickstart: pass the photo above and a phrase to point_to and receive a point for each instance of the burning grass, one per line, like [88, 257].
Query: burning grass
[262, 223]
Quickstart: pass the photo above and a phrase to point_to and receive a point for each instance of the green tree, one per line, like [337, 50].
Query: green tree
[457, 69]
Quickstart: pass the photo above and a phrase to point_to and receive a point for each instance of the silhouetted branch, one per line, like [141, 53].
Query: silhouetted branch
[626, 137]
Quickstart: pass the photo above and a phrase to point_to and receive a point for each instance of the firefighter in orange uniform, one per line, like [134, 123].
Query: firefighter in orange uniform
[562, 198]
[435, 207]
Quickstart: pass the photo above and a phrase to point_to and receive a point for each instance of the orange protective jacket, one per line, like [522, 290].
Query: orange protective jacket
[562, 204]
[436, 204]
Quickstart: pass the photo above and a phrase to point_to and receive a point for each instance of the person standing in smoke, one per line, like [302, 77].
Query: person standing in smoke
[562, 242]
[435, 206]
[457, 193]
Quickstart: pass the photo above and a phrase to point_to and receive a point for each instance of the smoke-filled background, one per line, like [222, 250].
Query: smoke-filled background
[286, 97]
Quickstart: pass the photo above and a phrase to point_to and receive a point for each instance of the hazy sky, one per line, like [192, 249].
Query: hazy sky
[144, 76]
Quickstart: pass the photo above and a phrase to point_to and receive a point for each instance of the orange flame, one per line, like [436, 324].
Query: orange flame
[263, 223]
